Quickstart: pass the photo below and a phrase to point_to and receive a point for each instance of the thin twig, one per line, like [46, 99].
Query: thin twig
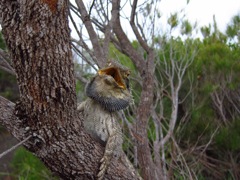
[14, 147]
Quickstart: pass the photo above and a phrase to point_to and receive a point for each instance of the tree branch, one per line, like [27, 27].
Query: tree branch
[14, 147]
[135, 30]
[4, 57]
[101, 59]
[125, 44]
[8, 118]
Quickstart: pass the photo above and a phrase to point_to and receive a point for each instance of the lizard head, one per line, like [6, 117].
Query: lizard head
[110, 87]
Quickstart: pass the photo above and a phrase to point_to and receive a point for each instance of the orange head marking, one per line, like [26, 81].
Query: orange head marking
[52, 4]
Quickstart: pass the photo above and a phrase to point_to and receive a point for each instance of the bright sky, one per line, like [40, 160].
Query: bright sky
[202, 11]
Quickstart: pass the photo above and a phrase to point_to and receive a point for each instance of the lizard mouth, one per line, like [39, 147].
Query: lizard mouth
[114, 72]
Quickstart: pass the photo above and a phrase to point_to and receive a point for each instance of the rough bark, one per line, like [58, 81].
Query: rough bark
[38, 38]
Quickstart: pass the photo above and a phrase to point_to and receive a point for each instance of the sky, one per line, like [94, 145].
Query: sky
[202, 11]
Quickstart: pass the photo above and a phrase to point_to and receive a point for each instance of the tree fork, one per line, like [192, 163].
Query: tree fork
[38, 39]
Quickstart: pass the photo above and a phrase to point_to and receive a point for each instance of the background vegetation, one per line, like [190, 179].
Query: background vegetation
[206, 139]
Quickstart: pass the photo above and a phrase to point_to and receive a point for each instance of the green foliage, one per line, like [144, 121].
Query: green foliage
[186, 28]
[228, 137]
[173, 20]
[2, 44]
[206, 31]
[233, 29]
[151, 131]
[216, 69]
[218, 62]
[26, 166]
[79, 87]
[8, 86]
[117, 55]
[8, 83]
[209, 88]
[201, 124]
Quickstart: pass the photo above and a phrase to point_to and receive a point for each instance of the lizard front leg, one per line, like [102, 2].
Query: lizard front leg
[113, 146]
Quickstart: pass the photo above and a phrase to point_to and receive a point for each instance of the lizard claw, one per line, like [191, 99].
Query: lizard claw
[102, 170]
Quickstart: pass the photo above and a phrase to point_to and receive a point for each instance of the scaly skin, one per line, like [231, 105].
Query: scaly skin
[108, 92]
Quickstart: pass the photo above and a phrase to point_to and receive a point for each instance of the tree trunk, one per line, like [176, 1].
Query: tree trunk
[38, 38]
[146, 69]
[147, 166]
